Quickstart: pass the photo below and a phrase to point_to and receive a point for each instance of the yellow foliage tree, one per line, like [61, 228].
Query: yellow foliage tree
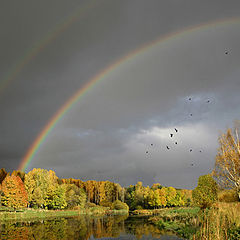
[227, 164]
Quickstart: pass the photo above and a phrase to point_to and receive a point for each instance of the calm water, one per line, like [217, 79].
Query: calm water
[83, 228]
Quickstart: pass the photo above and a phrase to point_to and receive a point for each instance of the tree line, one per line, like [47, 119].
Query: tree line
[41, 188]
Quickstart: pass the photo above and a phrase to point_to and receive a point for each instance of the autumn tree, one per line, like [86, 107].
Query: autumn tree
[55, 198]
[3, 174]
[162, 197]
[227, 164]
[14, 192]
[19, 173]
[154, 199]
[110, 191]
[205, 194]
[74, 195]
[40, 184]
[171, 193]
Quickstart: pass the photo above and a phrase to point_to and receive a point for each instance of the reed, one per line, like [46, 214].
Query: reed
[220, 222]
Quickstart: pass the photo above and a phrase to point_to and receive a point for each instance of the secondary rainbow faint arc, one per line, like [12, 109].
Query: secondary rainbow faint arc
[75, 98]
[39, 46]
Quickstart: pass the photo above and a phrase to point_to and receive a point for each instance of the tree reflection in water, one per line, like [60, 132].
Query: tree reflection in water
[81, 228]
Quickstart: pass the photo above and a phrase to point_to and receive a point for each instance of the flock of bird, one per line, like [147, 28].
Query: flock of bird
[176, 130]
[171, 135]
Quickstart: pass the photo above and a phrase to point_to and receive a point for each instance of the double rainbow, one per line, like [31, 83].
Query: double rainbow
[29, 156]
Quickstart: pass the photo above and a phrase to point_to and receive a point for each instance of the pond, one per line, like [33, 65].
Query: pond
[84, 228]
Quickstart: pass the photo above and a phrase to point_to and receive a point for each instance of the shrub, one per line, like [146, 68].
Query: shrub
[90, 205]
[118, 205]
[205, 194]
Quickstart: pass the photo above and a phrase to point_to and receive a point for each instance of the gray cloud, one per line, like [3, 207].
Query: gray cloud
[107, 132]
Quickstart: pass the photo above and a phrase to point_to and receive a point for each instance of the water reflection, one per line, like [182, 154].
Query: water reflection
[83, 228]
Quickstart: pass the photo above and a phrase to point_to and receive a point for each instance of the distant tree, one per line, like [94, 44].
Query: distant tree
[110, 194]
[205, 194]
[162, 197]
[227, 165]
[154, 199]
[74, 196]
[55, 198]
[14, 192]
[3, 174]
[156, 186]
[171, 193]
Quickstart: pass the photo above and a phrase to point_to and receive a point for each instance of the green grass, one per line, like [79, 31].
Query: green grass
[40, 214]
[181, 221]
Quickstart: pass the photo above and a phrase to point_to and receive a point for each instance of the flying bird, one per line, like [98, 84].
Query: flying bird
[192, 164]
[176, 130]
[208, 101]
[190, 99]
[175, 142]
[171, 135]
[191, 114]
[168, 147]
[190, 150]
[151, 144]
[146, 151]
[226, 52]
[200, 151]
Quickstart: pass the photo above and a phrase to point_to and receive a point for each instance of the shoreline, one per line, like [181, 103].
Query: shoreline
[42, 214]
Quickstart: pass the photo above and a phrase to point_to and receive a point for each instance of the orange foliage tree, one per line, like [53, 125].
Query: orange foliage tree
[14, 192]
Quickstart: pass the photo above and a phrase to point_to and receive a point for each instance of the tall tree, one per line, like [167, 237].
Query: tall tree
[14, 192]
[227, 164]
[40, 184]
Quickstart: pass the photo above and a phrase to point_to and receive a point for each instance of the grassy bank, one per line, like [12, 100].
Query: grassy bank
[181, 221]
[40, 214]
[222, 221]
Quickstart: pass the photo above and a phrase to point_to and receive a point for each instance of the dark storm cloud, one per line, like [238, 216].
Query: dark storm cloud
[95, 135]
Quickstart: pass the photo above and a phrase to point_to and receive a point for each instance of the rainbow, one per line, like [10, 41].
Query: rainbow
[82, 91]
[39, 46]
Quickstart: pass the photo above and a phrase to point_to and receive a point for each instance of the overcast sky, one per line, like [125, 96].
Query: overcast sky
[120, 129]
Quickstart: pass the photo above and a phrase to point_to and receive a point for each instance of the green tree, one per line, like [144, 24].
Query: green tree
[40, 184]
[118, 205]
[55, 198]
[109, 191]
[74, 196]
[205, 194]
